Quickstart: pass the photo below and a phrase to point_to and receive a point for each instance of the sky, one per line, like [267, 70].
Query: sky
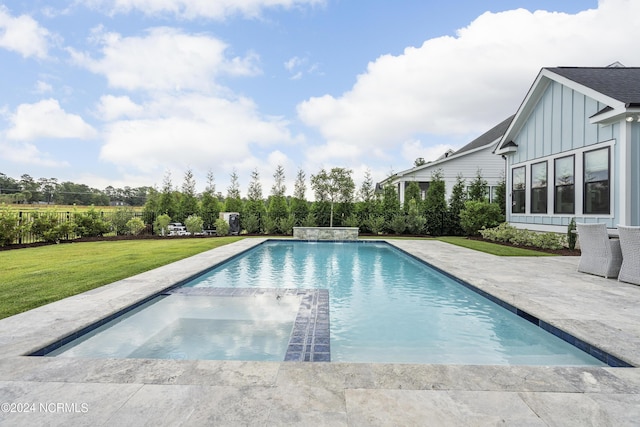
[128, 92]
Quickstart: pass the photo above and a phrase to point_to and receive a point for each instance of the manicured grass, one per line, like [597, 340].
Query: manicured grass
[492, 248]
[33, 277]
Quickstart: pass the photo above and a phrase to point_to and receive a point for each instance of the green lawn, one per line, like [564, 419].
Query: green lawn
[478, 245]
[492, 248]
[33, 277]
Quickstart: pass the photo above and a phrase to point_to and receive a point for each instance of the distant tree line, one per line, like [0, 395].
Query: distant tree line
[28, 190]
[337, 203]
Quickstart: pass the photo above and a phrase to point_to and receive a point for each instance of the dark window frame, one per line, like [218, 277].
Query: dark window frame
[535, 208]
[569, 188]
[586, 184]
[518, 194]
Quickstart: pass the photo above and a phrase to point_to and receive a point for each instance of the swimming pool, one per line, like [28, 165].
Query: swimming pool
[386, 306]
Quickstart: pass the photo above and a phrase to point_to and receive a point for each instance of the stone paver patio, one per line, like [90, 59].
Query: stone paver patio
[65, 391]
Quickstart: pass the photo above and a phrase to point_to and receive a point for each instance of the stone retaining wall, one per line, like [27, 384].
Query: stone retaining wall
[325, 233]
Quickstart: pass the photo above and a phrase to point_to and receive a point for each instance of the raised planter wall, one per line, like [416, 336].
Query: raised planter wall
[325, 233]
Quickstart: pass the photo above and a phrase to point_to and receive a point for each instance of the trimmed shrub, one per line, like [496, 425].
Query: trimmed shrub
[478, 215]
[90, 223]
[309, 220]
[119, 220]
[251, 223]
[416, 223]
[222, 227]
[270, 225]
[161, 226]
[194, 224]
[9, 228]
[398, 223]
[285, 225]
[375, 223]
[135, 226]
[506, 233]
[50, 227]
[572, 236]
[352, 221]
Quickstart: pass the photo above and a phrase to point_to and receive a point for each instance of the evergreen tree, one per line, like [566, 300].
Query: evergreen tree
[501, 195]
[478, 188]
[278, 209]
[209, 205]
[299, 204]
[390, 205]
[367, 204]
[435, 204]
[167, 204]
[188, 201]
[456, 205]
[233, 202]
[254, 206]
[412, 192]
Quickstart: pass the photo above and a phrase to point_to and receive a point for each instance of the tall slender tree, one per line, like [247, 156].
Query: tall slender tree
[278, 209]
[167, 202]
[435, 204]
[254, 208]
[209, 205]
[233, 202]
[299, 205]
[188, 202]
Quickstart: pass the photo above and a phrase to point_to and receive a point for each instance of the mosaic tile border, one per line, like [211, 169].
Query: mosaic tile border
[310, 339]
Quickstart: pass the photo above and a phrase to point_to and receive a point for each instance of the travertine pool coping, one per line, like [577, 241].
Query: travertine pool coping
[61, 391]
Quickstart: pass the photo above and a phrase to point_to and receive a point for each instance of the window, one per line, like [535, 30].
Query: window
[494, 193]
[519, 187]
[565, 185]
[596, 181]
[539, 187]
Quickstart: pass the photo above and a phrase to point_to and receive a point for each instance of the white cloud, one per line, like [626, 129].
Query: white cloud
[297, 67]
[466, 84]
[413, 149]
[114, 107]
[43, 87]
[191, 9]
[164, 59]
[192, 131]
[46, 119]
[23, 34]
[27, 154]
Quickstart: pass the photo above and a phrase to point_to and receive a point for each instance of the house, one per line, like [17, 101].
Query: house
[477, 155]
[573, 149]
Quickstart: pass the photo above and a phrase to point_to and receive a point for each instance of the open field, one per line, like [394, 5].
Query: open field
[67, 208]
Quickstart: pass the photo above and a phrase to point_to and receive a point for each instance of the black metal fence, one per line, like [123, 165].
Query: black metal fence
[111, 217]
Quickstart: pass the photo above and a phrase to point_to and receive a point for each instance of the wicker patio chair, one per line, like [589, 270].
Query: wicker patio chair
[599, 254]
[630, 246]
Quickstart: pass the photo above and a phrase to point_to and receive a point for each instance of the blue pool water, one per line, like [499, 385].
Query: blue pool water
[385, 306]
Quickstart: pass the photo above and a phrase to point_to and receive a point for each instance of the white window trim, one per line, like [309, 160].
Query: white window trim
[578, 164]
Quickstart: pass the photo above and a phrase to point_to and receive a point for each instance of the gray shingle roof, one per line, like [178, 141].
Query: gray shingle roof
[620, 83]
[487, 137]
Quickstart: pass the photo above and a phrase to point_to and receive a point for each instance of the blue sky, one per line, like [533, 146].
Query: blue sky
[121, 92]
